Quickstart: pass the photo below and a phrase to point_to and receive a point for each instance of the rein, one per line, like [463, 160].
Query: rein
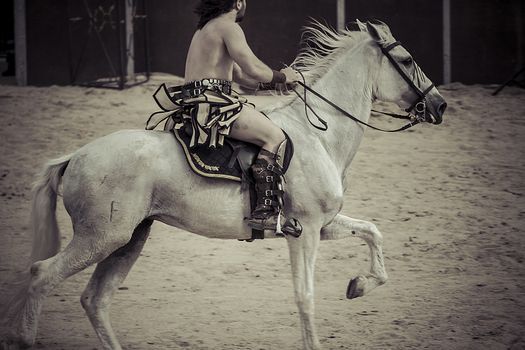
[413, 120]
[419, 106]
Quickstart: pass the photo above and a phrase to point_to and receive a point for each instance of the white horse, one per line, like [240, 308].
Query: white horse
[115, 186]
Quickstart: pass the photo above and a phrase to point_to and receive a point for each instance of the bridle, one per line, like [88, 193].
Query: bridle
[419, 107]
[416, 113]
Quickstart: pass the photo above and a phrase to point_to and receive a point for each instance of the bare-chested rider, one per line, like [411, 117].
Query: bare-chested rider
[219, 50]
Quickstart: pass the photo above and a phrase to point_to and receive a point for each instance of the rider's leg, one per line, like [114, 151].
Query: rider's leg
[254, 127]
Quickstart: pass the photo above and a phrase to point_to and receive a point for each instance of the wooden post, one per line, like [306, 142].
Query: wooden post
[130, 47]
[447, 63]
[20, 42]
[341, 20]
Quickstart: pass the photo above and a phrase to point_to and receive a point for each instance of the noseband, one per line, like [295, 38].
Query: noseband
[416, 113]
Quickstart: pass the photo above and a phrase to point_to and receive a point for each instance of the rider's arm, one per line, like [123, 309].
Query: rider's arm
[242, 55]
[242, 78]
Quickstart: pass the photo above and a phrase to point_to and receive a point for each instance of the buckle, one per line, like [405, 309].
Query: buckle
[196, 92]
[269, 178]
[268, 202]
[270, 167]
[268, 193]
[197, 84]
[420, 107]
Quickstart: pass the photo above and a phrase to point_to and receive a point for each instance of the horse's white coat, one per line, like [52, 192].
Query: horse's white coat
[116, 185]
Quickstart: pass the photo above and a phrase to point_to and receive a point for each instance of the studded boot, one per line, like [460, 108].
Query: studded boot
[268, 213]
[266, 175]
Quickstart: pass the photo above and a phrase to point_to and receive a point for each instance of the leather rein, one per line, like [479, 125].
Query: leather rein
[416, 113]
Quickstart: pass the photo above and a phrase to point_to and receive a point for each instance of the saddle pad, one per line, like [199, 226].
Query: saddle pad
[229, 162]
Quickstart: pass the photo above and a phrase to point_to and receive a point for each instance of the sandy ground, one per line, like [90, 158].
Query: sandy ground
[449, 200]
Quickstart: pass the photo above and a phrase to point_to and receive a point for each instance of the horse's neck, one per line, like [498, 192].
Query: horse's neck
[347, 84]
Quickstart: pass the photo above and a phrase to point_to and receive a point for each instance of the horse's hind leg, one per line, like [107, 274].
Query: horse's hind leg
[108, 275]
[85, 249]
[342, 227]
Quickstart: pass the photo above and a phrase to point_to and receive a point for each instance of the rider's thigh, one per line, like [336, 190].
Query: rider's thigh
[254, 127]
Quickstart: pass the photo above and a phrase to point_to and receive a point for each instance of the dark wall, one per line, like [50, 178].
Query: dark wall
[488, 39]
[7, 25]
[64, 46]
[172, 24]
[273, 27]
[271, 30]
[46, 30]
[487, 35]
[416, 23]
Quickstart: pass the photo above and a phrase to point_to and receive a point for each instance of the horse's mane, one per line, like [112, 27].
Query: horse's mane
[322, 46]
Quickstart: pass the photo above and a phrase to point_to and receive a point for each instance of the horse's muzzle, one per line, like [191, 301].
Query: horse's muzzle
[435, 111]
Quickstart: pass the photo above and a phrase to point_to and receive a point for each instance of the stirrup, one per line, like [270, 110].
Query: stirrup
[291, 227]
[263, 223]
[272, 222]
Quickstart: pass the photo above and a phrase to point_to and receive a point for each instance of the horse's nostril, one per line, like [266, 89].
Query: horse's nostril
[441, 109]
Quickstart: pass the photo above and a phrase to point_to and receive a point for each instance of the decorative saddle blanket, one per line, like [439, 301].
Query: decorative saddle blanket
[231, 161]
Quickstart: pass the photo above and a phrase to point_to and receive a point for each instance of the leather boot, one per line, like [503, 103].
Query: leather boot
[268, 214]
[266, 175]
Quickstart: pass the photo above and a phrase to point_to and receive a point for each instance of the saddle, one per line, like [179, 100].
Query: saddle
[231, 161]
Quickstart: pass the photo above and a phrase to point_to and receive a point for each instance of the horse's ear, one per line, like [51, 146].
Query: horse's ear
[378, 30]
[357, 26]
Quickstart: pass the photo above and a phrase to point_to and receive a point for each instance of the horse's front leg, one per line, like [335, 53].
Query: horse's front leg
[303, 252]
[342, 227]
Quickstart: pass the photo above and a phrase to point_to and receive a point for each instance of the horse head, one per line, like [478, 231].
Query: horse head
[399, 78]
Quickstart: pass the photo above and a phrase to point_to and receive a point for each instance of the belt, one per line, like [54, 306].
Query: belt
[197, 87]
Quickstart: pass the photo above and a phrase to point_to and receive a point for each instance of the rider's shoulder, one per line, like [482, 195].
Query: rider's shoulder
[227, 27]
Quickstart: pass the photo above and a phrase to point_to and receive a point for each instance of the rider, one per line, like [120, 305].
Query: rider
[219, 54]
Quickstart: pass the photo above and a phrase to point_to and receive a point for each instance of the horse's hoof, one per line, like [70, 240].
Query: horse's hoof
[356, 287]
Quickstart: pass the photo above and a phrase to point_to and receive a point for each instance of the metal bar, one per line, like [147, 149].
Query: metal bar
[20, 42]
[510, 81]
[146, 38]
[121, 46]
[341, 16]
[130, 41]
[447, 62]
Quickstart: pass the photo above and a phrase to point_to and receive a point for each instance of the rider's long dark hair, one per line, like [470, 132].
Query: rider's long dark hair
[209, 9]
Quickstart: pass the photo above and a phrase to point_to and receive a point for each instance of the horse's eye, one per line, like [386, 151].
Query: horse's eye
[408, 61]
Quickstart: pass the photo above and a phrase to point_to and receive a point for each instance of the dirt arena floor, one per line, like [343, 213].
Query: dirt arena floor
[449, 200]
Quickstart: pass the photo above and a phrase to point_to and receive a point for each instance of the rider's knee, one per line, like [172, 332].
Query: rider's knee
[272, 139]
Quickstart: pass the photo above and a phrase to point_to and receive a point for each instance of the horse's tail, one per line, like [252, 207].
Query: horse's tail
[46, 238]
[46, 235]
